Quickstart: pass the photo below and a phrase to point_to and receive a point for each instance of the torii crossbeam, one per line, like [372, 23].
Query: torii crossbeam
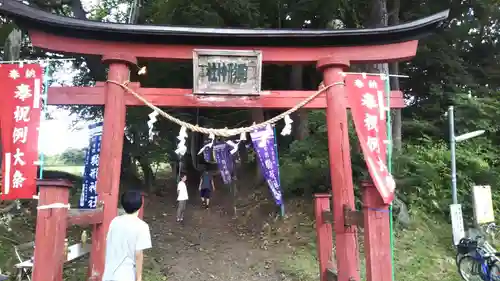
[172, 97]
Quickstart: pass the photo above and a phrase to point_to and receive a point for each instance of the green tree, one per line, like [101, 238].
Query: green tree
[73, 156]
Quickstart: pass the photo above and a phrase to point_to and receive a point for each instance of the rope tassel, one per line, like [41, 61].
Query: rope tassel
[151, 122]
[243, 137]
[181, 146]
[265, 135]
[235, 145]
[287, 130]
[208, 145]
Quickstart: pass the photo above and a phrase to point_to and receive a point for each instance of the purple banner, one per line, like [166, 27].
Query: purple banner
[207, 153]
[224, 160]
[263, 144]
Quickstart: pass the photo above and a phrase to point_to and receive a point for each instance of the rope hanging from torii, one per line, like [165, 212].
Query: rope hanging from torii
[225, 132]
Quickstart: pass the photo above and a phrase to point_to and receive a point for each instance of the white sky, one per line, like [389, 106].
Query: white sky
[58, 134]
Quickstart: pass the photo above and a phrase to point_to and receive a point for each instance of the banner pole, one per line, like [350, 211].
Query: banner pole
[41, 155]
[389, 168]
[282, 206]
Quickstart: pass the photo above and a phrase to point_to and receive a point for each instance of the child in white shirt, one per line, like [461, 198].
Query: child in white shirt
[182, 198]
[127, 237]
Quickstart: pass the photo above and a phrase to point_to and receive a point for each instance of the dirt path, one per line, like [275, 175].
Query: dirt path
[206, 246]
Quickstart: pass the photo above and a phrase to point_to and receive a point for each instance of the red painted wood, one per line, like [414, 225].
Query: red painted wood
[355, 54]
[86, 217]
[172, 97]
[377, 235]
[50, 232]
[340, 170]
[108, 180]
[323, 234]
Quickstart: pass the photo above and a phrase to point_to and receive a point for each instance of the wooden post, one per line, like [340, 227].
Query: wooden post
[377, 235]
[324, 237]
[108, 179]
[340, 167]
[51, 224]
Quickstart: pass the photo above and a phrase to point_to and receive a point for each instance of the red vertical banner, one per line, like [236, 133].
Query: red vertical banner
[20, 121]
[369, 112]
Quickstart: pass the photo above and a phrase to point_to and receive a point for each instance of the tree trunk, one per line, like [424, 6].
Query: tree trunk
[379, 18]
[94, 63]
[12, 48]
[77, 9]
[147, 172]
[134, 10]
[194, 148]
[378, 14]
[243, 154]
[234, 188]
[12, 52]
[300, 117]
[129, 172]
[394, 69]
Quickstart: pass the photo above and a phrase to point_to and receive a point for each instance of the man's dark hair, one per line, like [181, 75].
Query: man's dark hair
[131, 201]
[183, 175]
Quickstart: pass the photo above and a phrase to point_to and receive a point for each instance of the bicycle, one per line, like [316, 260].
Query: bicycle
[465, 247]
[3, 277]
[468, 245]
[482, 263]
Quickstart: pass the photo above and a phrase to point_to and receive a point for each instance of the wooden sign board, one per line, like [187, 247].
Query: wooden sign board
[227, 72]
[483, 204]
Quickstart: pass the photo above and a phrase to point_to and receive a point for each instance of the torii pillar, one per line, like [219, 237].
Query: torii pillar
[340, 167]
[108, 179]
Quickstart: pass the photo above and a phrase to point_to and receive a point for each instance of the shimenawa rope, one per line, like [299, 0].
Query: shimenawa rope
[222, 132]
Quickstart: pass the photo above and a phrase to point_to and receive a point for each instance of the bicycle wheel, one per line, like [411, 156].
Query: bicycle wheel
[470, 269]
[458, 257]
[494, 271]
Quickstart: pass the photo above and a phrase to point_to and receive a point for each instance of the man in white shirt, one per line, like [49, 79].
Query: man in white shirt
[127, 237]
[182, 198]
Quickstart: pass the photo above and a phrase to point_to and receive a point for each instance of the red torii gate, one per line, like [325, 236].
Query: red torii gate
[121, 44]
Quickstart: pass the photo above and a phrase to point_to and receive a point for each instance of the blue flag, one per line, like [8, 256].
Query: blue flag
[224, 161]
[88, 198]
[263, 145]
[207, 153]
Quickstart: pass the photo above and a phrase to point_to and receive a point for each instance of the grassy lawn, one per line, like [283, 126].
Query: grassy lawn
[422, 253]
[158, 169]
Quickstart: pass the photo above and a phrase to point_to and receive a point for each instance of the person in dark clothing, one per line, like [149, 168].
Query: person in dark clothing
[206, 187]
